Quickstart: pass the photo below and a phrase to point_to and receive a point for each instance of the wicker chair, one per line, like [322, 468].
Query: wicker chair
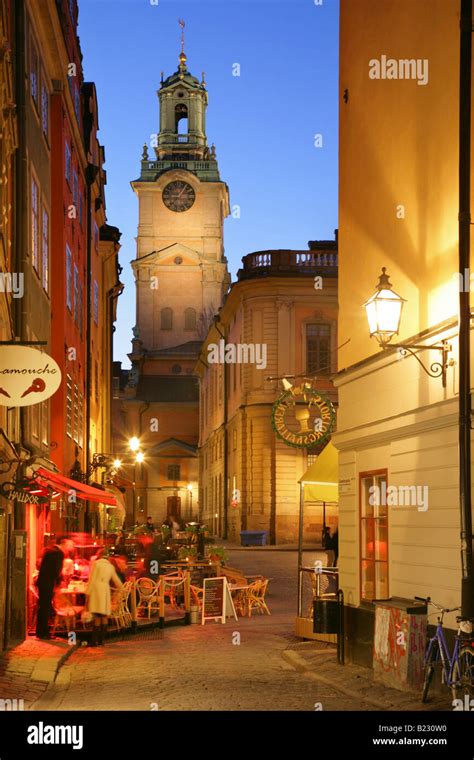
[148, 597]
[255, 597]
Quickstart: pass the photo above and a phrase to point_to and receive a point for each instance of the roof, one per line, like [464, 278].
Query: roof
[167, 388]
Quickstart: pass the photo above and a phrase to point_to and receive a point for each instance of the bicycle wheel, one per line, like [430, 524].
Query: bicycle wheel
[463, 674]
[429, 670]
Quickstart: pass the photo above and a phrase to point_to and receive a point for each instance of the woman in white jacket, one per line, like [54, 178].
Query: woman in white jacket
[99, 595]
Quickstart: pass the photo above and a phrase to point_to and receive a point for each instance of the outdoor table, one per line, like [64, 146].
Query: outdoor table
[238, 589]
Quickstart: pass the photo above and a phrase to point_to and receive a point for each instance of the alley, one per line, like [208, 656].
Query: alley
[203, 667]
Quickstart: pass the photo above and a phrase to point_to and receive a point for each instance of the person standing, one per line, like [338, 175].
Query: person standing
[49, 577]
[99, 595]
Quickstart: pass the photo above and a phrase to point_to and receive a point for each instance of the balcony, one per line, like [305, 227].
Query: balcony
[290, 263]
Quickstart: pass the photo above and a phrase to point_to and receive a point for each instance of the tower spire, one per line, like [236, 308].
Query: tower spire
[182, 55]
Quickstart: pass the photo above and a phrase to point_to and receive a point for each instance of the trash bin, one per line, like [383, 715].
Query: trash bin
[253, 537]
[326, 616]
[399, 643]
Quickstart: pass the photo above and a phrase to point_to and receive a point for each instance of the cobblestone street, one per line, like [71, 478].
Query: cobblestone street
[201, 668]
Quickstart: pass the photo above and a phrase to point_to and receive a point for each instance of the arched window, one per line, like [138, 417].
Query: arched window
[190, 319]
[167, 319]
[181, 119]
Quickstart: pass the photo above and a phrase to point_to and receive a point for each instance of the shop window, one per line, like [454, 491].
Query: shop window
[373, 536]
[318, 349]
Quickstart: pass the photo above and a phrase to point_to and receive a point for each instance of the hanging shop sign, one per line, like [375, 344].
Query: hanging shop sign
[25, 492]
[302, 416]
[27, 376]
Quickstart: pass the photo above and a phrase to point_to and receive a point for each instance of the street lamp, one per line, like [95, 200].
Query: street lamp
[384, 311]
[134, 443]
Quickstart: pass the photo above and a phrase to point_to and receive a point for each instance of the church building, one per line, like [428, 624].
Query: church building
[181, 279]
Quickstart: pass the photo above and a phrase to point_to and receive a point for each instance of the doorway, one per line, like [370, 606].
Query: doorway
[173, 507]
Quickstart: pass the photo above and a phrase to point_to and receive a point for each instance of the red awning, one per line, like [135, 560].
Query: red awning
[83, 491]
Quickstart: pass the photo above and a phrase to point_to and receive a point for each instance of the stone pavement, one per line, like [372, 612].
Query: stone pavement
[248, 664]
[27, 670]
[319, 662]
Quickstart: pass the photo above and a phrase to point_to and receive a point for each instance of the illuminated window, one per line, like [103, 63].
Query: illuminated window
[76, 295]
[373, 536]
[318, 349]
[96, 302]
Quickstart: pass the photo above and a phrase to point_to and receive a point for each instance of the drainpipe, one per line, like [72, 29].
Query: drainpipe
[467, 586]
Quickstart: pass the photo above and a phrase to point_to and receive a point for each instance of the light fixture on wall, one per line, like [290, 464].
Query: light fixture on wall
[384, 311]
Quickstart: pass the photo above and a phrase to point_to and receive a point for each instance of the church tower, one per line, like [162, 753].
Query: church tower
[180, 270]
[181, 280]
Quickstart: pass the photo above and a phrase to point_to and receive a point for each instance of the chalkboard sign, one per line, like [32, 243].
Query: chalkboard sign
[217, 601]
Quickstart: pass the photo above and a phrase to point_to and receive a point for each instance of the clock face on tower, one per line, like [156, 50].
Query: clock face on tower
[178, 196]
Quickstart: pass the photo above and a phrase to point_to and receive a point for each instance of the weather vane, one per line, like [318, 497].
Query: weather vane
[182, 25]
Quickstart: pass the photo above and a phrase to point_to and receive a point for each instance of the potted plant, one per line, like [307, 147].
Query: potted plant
[217, 554]
[188, 553]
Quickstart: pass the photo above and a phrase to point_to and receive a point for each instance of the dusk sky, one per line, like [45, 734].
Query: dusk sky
[262, 122]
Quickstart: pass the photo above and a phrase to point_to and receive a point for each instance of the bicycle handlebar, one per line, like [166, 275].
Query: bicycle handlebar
[428, 600]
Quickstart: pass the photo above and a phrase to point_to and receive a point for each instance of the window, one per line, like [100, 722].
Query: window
[373, 536]
[76, 295]
[45, 423]
[96, 237]
[75, 189]
[77, 103]
[69, 405]
[35, 224]
[167, 319]
[45, 250]
[174, 472]
[35, 421]
[190, 319]
[96, 381]
[80, 308]
[80, 436]
[45, 109]
[318, 348]
[310, 458]
[67, 157]
[34, 74]
[96, 302]
[68, 278]
[75, 415]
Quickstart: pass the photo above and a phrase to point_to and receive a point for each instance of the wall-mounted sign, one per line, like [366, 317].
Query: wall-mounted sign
[302, 417]
[27, 376]
[26, 492]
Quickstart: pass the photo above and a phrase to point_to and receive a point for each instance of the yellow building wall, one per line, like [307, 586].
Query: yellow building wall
[392, 135]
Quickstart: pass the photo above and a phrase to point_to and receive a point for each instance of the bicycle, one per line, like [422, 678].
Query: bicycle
[457, 670]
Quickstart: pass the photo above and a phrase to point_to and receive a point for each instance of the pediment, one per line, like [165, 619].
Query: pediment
[166, 257]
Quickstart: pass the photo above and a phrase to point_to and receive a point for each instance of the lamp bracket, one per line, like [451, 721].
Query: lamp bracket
[437, 368]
